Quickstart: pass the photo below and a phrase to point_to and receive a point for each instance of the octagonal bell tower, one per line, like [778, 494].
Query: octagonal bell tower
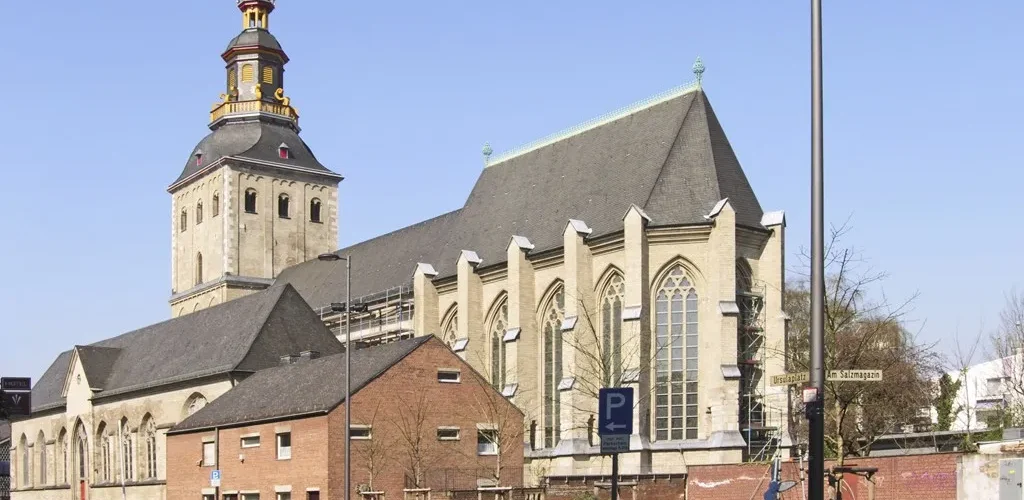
[252, 198]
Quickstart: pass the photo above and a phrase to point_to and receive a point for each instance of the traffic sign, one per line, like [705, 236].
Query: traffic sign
[215, 478]
[15, 384]
[615, 418]
[16, 403]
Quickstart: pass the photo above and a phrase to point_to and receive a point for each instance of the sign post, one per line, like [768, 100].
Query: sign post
[615, 425]
[15, 397]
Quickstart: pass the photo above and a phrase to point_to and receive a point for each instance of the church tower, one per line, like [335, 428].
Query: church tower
[252, 199]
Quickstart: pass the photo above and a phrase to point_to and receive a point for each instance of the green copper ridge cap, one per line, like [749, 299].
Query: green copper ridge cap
[595, 122]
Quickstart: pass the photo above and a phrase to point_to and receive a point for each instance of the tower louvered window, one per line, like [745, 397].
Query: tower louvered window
[247, 73]
[232, 78]
[268, 74]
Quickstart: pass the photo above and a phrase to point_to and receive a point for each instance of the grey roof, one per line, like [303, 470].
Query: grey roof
[245, 334]
[671, 158]
[300, 388]
[255, 37]
[256, 140]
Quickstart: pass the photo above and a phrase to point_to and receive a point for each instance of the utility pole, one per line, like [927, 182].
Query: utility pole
[814, 397]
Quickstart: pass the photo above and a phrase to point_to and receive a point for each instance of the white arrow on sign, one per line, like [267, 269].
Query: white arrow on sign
[613, 426]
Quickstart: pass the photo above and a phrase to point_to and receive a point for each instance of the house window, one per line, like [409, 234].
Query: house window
[199, 213]
[449, 376]
[361, 432]
[230, 496]
[250, 441]
[499, 322]
[284, 495]
[552, 330]
[250, 496]
[183, 220]
[215, 206]
[209, 497]
[994, 386]
[611, 331]
[486, 442]
[312, 495]
[209, 454]
[250, 201]
[284, 446]
[675, 388]
[448, 433]
[314, 210]
[282, 206]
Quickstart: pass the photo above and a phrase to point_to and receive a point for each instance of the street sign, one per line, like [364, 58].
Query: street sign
[15, 384]
[797, 378]
[615, 419]
[16, 403]
[215, 478]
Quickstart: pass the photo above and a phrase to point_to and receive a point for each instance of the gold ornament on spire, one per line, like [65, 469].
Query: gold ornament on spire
[279, 95]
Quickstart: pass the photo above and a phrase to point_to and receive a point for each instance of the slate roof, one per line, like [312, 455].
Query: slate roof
[245, 334]
[256, 140]
[255, 37]
[671, 158]
[301, 388]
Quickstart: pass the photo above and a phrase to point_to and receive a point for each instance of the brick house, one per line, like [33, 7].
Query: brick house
[423, 420]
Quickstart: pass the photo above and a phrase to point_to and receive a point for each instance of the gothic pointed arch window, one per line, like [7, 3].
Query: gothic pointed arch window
[676, 349]
[551, 328]
[148, 431]
[250, 201]
[199, 213]
[450, 327]
[215, 205]
[199, 269]
[62, 462]
[497, 325]
[314, 210]
[183, 220]
[611, 330]
[26, 462]
[194, 403]
[104, 453]
[282, 205]
[127, 452]
[82, 451]
[744, 276]
[43, 459]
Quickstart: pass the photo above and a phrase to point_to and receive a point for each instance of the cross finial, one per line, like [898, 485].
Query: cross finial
[698, 70]
[487, 151]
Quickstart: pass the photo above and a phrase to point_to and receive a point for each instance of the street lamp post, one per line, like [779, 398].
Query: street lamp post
[816, 401]
[331, 257]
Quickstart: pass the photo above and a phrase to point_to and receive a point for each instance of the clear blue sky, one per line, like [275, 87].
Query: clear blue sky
[104, 101]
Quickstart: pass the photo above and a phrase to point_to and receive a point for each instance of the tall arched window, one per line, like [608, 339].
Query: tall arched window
[215, 205]
[62, 458]
[82, 445]
[675, 388]
[41, 446]
[26, 463]
[314, 210]
[199, 213]
[282, 206]
[194, 403]
[183, 220]
[611, 330]
[450, 328]
[551, 321]
[104, 452]
[498, 324]
[744, 276]
[250, 201]
[127, 452]
[199, 268]
[149, 432]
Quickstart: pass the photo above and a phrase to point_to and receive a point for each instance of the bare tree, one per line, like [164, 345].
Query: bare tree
[374, 454]
[1008, 344]
[499, 428]
[965, 410]
[860, 333]
[414, 437]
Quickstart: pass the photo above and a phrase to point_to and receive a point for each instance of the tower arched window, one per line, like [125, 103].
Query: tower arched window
[26, 462]
[148, 430]
[199, 268]
[247, 73]
[199, 213]
[250, 201]
[676, 348]
[498, 325]
[314, 210]
[183, 220]
[551, 321]
[127, 452]
[215, 205]
[282, 206]
[41, 446]
[611, 330]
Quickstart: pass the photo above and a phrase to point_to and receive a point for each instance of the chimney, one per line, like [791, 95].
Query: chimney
[308, 355]
[288, 359]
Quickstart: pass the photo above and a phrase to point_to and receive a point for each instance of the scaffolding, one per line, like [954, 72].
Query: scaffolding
[758, 421]
[387, 317]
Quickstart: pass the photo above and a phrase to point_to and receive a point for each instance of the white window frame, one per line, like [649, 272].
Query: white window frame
[283, 495]
[457, 437]
[357, 427]
[485, 442]
[449, 372]
[250, 437]
[212, 454]
[283, 452]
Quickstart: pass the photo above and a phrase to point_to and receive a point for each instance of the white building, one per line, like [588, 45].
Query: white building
[984, 391]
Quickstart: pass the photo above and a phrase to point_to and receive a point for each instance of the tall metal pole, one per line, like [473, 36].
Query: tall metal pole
[816, 424]
[615, 476]
[348, 377]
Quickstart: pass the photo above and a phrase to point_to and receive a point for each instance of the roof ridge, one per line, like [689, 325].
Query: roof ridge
[596, 122]
[668, 152]
[263, 317]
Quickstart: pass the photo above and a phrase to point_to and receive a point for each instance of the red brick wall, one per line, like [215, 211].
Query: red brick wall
[400, 391]
[261, 470]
